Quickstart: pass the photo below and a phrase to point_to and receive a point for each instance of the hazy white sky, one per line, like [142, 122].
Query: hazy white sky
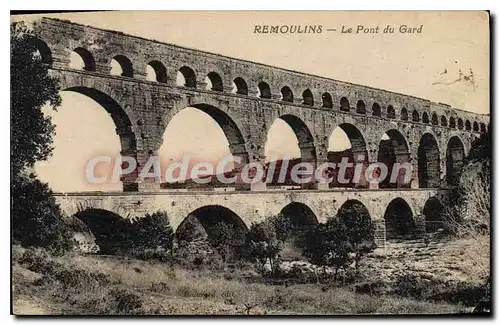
[406, 63]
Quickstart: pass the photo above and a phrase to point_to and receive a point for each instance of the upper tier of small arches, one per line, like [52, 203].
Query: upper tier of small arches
[156, 71]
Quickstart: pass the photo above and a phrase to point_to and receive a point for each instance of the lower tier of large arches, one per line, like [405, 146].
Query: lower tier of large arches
[395, 213]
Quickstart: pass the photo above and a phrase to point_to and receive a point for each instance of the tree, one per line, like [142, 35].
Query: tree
[152, 231]
[360, 230]
[36, 218]
[31, 89]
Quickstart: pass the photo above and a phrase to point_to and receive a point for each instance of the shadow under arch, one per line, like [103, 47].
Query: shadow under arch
[108, 228]
[123, 123]
[455, 156]
[300, 219]
[203, 222]
[394, 150]
[399, 221]
[428, 162]
[433, 211]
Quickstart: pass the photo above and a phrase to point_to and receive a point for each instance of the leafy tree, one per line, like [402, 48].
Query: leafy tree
[31, 89]
[36, 218]
[360, 230]
[153, 231]
[264, 240]
[328, 244]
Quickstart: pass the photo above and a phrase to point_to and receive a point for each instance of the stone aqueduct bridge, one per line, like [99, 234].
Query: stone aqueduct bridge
[245, 98]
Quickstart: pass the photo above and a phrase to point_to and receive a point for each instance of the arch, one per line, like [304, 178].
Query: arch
[433, 212]
[475, 127]
[468, 125]
[394, 149]
[357, 153]
[391, 112]
[399, 220]
[107, 227]
[215, 81]
[404, 114]
[452, 122]
[304, 136]
[428, 162]
[327, 100]
[434, 119]
[188, 77]
[43, 50]
[353, 214]
[286, 94]
[376, 110]
[204, 221]
[300, 215]
[86, 57]
[241, 86]
[415, 117]
[121, 119]
[425, 117]
[455, 155]
[360, 107]
[159, 70]
[460, 123]
[307, 98]
[444, 121]
[344, 104]
[126, 65]
[483, 128]
[264, 90]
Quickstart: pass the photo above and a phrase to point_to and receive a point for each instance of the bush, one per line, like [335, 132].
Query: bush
[36, 218]
[153, 231]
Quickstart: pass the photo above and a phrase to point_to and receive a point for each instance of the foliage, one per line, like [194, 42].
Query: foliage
[36, 218]
[264, 240]
[31, 89]
[153, 231]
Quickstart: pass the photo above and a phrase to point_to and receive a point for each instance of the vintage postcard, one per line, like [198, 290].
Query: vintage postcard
[251, 163]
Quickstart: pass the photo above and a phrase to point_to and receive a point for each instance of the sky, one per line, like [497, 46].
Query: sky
[412, 64]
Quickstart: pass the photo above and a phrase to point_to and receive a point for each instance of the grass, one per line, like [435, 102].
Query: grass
[98, 285]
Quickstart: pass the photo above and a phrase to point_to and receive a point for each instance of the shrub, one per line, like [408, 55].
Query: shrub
[36, 218]
[153, 231]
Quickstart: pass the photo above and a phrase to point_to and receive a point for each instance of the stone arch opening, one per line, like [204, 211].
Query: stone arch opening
[354, 214]
[264, 90]
[205, 223]
[286, 94]
[307, 98]
[347, 143]
[434, 119]
[300, 219]
[433, 212]
[221, 139]
[214, 82]
[289, 142]
[425, 117]
[455, 155]
[108, 228]
[376, 110]
[327, 100]
[460, 124]
[393, 149]
[391, 112]
[81, 59]
[468, 125]
[475, 127]
[444, 121]
[428, 162]
[360, 107]
[122, 66]
[240, 86]
[452, 122]
[399, 220]
[42, 50]
[344, 104]
[404, 114]
[156, 71]
[483, 128]
[414, 116]
[186, 77]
